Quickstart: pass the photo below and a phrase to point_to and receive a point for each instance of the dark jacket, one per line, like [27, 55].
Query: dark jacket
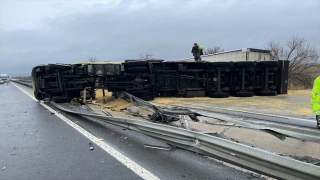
[195, 49]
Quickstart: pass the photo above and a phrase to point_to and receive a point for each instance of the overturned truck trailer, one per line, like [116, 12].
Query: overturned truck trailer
[158, 78]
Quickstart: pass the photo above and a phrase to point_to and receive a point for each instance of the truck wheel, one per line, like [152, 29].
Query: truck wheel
[244, 94]
[218, 95]
[267, 93]
[37, 96]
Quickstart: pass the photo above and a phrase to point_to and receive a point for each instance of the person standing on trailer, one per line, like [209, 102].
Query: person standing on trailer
[315, 100]
[196, 52]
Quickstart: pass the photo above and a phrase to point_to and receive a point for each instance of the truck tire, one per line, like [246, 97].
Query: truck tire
[267, 93]
[218, 95]
[244, 94]
[37, 96]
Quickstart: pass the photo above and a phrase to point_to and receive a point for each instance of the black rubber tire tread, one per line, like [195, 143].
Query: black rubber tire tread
[140, 93]
[267, 93]
[218, 95]
[135, 64]
[219, 64]
[244, 94]
[60, 99]
[243, 64]
[267, 63]
[147, 98]
[59, 67]
[37, 96]
[136, 69]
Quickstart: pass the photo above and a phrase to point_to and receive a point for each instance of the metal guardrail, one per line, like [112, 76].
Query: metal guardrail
[23, 82]
[268, 117]
[245, 156]
[280, 131]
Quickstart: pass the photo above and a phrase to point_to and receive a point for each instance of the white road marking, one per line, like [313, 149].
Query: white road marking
[136, 168]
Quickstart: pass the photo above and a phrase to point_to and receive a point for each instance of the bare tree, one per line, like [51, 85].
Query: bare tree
[213, 50]
[304, 60]
[93, 59]
[146, 56]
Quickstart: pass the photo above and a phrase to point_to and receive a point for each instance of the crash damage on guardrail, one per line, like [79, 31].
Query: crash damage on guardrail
[212, 145]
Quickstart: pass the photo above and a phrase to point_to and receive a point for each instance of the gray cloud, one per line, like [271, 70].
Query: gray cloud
[166, 30]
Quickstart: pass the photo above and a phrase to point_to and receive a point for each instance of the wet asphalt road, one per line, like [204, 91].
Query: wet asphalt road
[34, 144]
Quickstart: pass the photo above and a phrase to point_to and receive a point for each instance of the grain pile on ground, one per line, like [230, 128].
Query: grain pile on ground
[296, 103]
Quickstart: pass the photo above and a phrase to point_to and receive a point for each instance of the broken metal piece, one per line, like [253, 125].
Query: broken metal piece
[193, 117]
[134, 112]
[157, 147]
[276, 134]
[90, 146]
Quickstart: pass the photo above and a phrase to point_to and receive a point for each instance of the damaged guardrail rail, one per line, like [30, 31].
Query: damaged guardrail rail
[279, 131]
[241, 155]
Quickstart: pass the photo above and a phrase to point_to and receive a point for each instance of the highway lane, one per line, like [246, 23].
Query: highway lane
[38, 142]
[35, 144]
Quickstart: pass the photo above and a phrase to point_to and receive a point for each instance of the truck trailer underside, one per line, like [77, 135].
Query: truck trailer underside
[157, 78]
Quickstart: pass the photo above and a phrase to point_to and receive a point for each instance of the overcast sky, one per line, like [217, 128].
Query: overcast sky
[41, 32]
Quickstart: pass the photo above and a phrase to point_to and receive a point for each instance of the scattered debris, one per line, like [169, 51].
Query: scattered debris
[157, 147]
[95, 103]
[234, 140]
[131, 112]
[194, 117]
[100, 139]
[91, 146]
[109, 107]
